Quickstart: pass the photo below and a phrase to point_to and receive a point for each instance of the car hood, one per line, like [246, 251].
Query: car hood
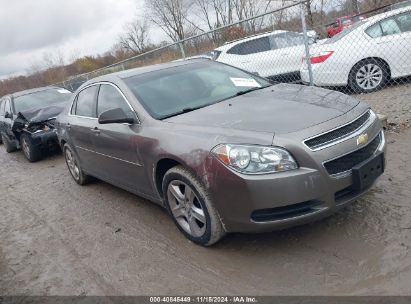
[42, 114]
[281, 108]
[35, 117]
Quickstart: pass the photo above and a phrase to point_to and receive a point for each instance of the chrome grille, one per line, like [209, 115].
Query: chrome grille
[347, 162]
[324, 139]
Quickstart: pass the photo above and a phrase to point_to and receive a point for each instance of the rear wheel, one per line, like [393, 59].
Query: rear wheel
[191, 207]
[74, 166]
[8, 145]
[368, 76]
[32, 152]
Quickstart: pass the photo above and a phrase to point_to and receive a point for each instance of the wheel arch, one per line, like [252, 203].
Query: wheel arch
[370, 59]
[160, 169]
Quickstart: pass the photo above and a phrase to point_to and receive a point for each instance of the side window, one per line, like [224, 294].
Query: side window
[85, 105]
[7, 106]
[404, 22]
[295, 39]
[390, 27]
[256, 46]
[110, 98]
[280, 41]
[250, 47]
[374, 31]
[2, 102]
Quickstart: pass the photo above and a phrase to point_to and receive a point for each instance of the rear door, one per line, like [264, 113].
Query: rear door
[117, 144]
[392, 40]
[81, 123]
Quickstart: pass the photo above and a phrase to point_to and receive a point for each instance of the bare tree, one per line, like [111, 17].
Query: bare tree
[135, 39]
[172, 16]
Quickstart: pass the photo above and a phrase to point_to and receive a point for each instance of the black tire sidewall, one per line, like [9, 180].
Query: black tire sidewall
[359, 65]
[205, 238]
[35, 152]
[7, 144]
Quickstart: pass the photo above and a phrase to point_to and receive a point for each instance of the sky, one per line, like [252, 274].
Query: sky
[33, 29]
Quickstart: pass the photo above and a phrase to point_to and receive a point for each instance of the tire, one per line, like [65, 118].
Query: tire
[74, 166]
[191, 208]
[10, 147]
[368, 76]
[30, 151]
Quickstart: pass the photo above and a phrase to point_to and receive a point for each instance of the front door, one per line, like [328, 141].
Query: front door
[83, 119]
[117, 145]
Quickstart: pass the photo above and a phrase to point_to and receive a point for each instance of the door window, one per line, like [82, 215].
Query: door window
[390, 27]
[279, 41]
[404, 22]
[374, 31]
[85, 105]
[110, 98]
[251, 47]
[295, 39]
[2, 102]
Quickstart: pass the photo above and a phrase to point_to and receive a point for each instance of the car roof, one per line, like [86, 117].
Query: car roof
[31, 91]
[387, 14]
[233, 43]
[143, 70]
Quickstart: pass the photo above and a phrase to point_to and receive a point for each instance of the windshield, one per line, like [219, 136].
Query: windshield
[180, 89]
[41, 99]
[344, 33]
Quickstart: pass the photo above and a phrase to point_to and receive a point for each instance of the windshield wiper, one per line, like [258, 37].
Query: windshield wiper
[250, 90]
[183, 111]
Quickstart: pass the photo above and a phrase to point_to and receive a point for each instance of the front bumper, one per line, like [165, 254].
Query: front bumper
[258, 203]
[44, 139]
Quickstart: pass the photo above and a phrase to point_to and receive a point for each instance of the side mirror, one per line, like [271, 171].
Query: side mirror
[8, 115]
[312, 36]
[115, 116]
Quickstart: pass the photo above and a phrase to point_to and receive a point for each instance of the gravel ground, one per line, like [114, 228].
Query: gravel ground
[58, 238]
[395, 102]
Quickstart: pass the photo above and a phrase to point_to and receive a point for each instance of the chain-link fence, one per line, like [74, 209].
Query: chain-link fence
[358, 53]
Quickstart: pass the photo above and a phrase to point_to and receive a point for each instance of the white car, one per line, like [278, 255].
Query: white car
[366, 55]
[275, 55]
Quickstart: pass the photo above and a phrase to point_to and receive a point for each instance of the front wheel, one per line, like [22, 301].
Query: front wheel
[74, 166]
[31, 152]
[368, 76]
[191, 208]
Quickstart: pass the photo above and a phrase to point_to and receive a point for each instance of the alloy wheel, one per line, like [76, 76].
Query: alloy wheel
[72, 164]
[25, 146]
[369, 76]
[186, 208]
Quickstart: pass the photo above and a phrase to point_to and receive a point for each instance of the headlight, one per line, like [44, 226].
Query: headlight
[255, 159]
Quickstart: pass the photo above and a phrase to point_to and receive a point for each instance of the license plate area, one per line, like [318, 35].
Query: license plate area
[365, 173]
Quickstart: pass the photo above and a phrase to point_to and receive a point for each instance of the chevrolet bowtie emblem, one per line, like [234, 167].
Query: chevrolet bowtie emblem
[362, 139]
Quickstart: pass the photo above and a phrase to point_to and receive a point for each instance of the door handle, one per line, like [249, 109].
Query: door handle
[95, 130]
